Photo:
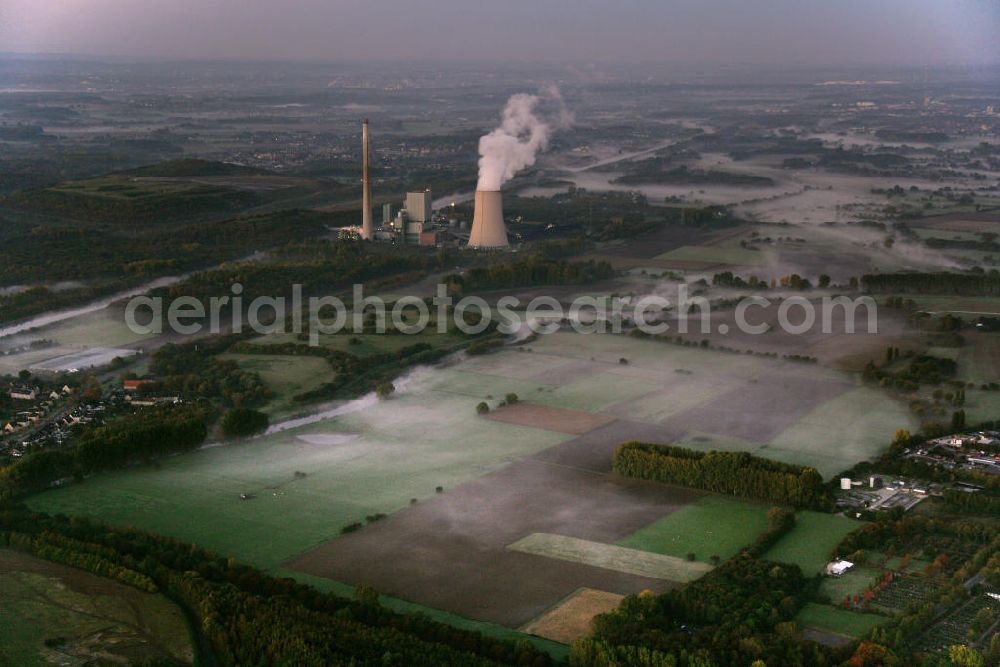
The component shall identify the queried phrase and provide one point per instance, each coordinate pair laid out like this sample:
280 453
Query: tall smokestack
488 229
367 227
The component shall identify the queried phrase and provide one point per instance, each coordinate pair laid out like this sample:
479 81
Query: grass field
378 457
369 461
714 255
839 621
969 306
851 583
842 431
712 526
286 376
611 557
571 618
808 545
54 614
368 344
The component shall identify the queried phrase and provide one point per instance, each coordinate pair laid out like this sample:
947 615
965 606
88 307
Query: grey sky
803 32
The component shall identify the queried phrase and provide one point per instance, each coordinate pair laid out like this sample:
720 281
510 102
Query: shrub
244 422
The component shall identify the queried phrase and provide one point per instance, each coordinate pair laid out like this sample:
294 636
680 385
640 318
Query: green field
364 345
849 428
839 621
711 526
714 255
375 456
611 557
380 455
849 584
54 614
372 460
808 545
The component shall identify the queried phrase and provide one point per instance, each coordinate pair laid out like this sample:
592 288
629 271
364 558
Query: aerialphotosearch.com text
327 315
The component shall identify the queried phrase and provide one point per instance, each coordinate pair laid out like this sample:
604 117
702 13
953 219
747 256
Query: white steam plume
522 134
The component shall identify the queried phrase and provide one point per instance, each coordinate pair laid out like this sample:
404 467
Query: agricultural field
55 614
364 345
349 464
372 458
962 625
571 618
713 255
968 307
611 557
710 526
812 539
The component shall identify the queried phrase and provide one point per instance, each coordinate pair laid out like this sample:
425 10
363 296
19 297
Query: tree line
944 282
732 473
140 437
531 272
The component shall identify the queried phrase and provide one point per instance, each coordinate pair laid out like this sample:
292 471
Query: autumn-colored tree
869 654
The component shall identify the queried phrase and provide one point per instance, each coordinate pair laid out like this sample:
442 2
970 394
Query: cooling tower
488 230
367 227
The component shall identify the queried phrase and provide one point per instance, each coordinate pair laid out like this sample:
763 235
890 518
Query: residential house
22 393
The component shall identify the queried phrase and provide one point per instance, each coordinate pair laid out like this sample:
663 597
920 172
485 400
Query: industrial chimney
488 229
367 227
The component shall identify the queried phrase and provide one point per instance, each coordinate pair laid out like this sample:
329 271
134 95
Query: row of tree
732 473
968 284
531 272
139 437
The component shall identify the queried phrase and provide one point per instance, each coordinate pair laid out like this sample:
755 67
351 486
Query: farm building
838 567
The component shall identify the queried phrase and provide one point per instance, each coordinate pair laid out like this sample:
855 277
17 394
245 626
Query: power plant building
414 219
418 206
488 228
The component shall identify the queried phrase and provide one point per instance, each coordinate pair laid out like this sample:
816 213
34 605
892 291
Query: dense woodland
112 262
732 473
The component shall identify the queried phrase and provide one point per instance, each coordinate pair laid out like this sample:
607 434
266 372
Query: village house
22 393
134 385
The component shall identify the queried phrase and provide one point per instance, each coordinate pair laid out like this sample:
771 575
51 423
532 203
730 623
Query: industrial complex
415 223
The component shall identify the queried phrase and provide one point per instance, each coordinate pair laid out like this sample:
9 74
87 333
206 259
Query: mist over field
659 334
